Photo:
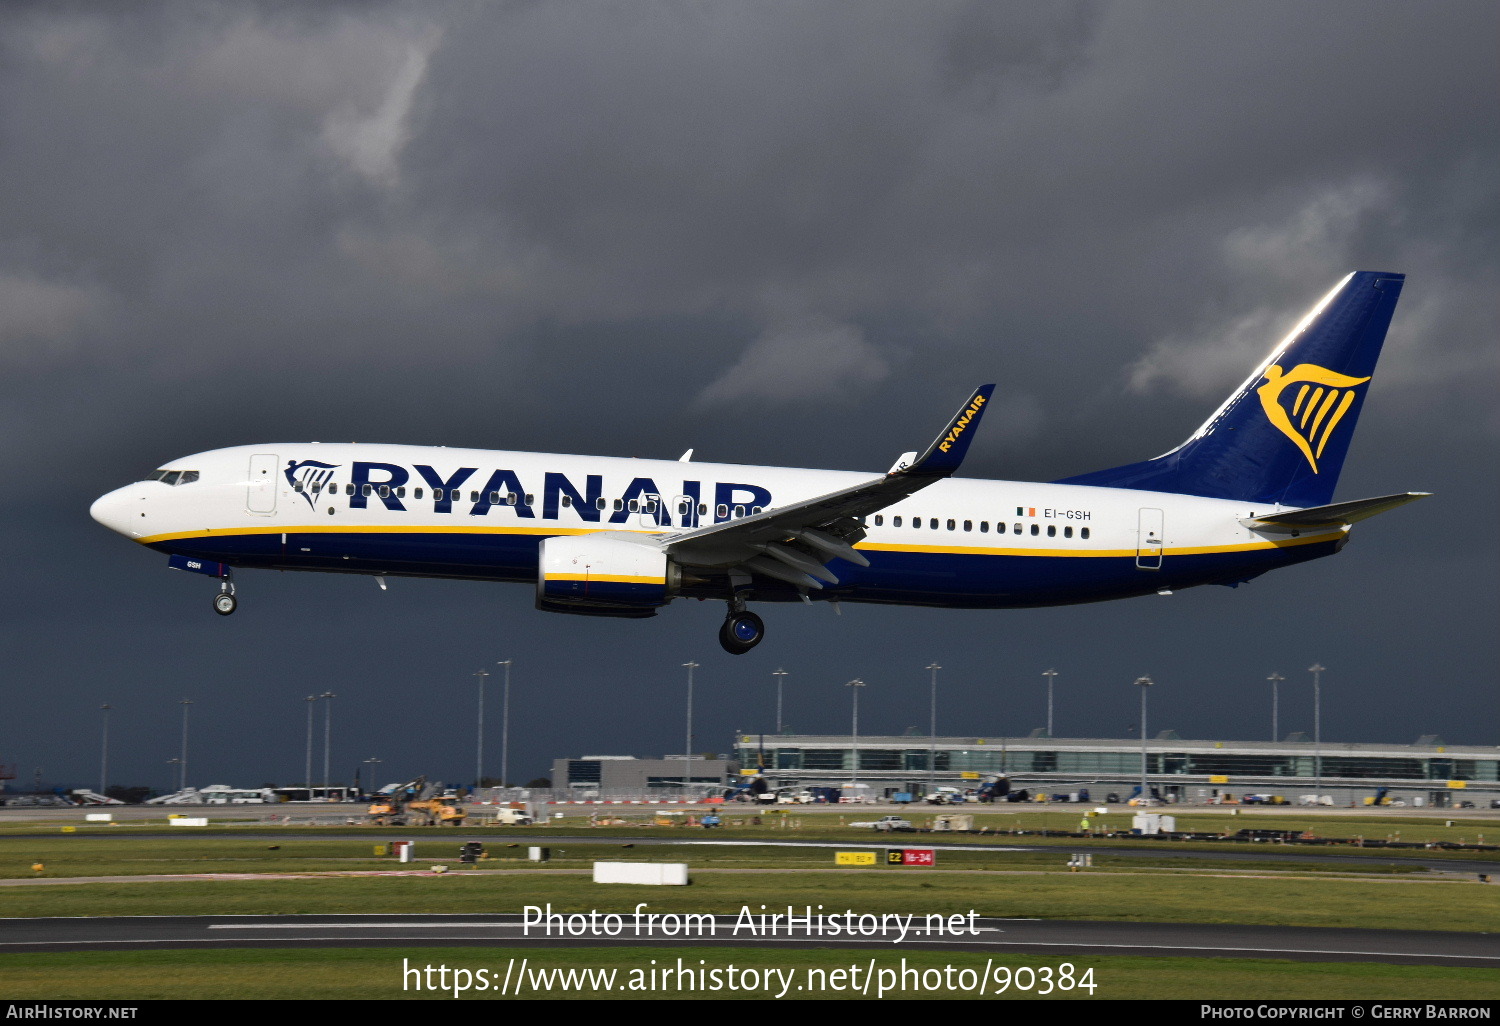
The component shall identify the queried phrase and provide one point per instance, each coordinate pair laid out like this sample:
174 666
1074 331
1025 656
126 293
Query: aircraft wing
792 543
1340 514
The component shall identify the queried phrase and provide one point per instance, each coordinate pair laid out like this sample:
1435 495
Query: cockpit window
173 477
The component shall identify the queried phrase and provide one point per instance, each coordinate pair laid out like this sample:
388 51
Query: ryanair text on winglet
961 423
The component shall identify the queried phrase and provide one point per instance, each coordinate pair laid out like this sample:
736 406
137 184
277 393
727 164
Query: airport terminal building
627 775
1427 772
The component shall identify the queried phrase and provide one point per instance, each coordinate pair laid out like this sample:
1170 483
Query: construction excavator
417 803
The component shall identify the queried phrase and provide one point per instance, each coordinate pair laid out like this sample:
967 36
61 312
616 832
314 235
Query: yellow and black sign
854 858
1218 778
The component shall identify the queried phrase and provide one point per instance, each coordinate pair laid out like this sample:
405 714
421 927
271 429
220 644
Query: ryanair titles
468 490
961 423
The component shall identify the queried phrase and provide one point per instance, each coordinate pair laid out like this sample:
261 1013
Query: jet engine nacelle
605 574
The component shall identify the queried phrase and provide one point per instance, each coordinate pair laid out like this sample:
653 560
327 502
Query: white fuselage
473 513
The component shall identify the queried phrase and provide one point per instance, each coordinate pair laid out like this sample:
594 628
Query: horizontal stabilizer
1340 514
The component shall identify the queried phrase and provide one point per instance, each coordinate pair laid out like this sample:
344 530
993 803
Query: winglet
947 451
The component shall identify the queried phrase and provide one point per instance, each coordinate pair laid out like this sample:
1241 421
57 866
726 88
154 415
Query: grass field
1151 886
379 973
1206 896
72 855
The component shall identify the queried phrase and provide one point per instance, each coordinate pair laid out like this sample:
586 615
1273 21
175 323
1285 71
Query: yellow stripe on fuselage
954 550
596 579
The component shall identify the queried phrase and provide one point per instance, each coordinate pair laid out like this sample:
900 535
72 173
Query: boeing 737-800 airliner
1251 490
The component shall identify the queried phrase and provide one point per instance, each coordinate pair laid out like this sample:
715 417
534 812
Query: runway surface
833 929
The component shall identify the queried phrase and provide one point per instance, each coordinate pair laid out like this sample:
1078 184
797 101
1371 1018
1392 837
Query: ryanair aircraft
1251 490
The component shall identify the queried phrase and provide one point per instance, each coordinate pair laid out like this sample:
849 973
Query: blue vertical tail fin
1282 436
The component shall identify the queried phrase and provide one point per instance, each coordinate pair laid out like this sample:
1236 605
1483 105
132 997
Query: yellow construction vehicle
417 803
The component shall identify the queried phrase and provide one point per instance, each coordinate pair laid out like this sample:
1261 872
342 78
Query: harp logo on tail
1308 413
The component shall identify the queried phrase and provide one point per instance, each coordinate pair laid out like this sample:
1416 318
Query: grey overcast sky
788 234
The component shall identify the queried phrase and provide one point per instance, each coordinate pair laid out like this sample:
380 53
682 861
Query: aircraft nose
115 509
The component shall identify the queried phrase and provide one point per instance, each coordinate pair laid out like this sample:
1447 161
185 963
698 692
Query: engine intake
605 574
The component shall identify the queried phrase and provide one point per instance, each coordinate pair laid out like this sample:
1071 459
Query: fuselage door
651 508
1150 539
684 511
260 496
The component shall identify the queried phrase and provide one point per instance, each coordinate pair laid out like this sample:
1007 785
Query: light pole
780 676
687 758
505 726
312 700
483 676
854 686
1049 674
1275 680
327 737
104 751
933 668
187 704
1144 682
1316 669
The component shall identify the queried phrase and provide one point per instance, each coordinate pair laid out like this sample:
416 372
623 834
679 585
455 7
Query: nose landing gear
225 602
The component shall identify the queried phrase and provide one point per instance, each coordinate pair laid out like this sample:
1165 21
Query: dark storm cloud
778 233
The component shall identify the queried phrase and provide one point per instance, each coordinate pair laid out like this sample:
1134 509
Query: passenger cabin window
1036 529
932 523
703 509
739 511
879 520
473 496
510 498
437 495
1067 532
722 512
600 503
635 506
1017 528
364 490
1083 532
619 504
895 521
417 494
952 525
916 521
984 527
401 492
494 498
968 525
1051 530
567 500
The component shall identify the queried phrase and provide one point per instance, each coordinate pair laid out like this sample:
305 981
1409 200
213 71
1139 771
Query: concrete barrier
641 872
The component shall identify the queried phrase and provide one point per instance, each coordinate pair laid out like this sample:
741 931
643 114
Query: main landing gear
742 629
741 632
225 602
